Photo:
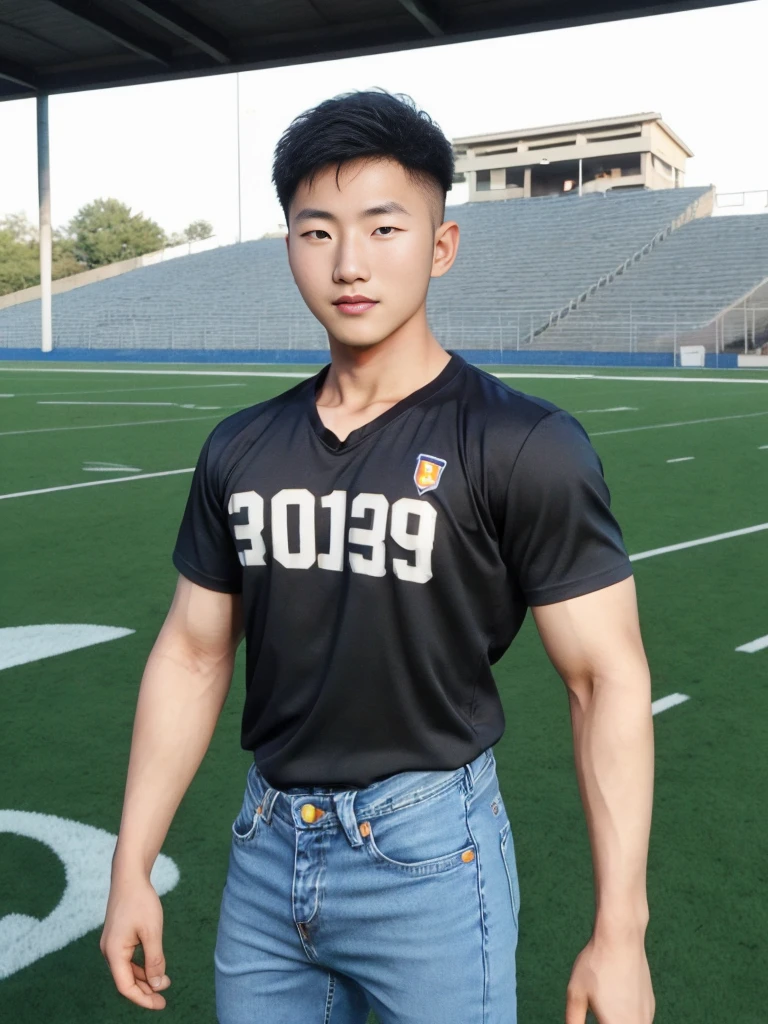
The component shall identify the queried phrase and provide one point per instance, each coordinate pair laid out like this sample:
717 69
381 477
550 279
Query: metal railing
743 329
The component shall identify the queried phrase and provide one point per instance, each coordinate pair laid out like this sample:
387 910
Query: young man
377 533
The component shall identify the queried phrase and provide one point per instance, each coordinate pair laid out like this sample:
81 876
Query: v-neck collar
330 440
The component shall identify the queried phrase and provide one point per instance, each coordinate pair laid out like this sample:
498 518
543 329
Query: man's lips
354 303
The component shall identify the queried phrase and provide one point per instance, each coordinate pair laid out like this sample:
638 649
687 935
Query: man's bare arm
183 689
594 643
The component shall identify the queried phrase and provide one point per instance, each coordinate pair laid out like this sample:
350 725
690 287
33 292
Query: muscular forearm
180 699
614 751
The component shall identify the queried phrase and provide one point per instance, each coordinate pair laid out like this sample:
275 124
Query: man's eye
314 230
386 228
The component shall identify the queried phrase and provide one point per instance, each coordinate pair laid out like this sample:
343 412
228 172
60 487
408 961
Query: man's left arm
595 645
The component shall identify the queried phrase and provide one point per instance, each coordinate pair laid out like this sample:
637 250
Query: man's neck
379 376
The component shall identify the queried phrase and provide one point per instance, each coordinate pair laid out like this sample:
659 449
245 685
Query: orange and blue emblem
429 469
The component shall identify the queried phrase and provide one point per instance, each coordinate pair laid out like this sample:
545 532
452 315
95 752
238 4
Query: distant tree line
104 231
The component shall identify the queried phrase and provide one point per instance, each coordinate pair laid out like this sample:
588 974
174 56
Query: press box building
634 151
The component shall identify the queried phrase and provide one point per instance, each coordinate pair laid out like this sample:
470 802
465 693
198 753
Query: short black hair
362 123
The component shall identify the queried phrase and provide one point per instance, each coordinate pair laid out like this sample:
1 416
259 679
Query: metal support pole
46 242
630 327
580 174
239 195
746 327
674 361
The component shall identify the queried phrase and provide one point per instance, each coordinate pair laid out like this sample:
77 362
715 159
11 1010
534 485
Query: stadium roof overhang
56 46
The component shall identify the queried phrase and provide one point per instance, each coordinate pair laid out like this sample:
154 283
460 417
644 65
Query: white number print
373 507
305 556
251 529
373 564
421 542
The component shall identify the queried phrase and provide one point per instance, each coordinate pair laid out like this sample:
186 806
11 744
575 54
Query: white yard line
695 543
178 405
610 376
684 458
668 702
104 426
156 373
115 391
754 645
96 483
615 408
106 403
679 423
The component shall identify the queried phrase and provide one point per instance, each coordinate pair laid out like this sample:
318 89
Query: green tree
198 230
193 232
64 257
105 231
19 262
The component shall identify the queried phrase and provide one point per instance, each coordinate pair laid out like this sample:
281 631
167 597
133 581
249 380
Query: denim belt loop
343 803
268 802
469 779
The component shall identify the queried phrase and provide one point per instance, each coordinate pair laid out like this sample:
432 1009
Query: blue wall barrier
486 357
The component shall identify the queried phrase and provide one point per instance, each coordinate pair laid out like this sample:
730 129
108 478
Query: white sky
170 150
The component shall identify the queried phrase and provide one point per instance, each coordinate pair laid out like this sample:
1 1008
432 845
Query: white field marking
695 543
104 426
611 376
680 423
668 702
115 391
754 645
684 458
97 483
108 403
763 446
103 462
86 854
111 469
615 408
178 405
19 645
7 396
166 373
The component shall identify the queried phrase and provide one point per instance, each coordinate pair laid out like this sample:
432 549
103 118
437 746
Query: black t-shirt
382 576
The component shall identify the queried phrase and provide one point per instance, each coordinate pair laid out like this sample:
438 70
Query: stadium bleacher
699 271
520 263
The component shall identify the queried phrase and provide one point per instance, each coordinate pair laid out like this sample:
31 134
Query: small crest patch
429 469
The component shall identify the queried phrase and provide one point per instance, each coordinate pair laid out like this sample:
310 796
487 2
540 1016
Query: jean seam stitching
481 904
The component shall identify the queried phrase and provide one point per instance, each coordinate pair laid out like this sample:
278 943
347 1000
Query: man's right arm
183 689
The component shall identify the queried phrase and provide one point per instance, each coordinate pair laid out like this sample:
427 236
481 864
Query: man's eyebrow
389 207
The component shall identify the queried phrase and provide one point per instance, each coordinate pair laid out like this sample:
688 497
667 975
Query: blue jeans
402 896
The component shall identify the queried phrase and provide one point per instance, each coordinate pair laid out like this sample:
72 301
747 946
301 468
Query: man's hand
135 915
612 979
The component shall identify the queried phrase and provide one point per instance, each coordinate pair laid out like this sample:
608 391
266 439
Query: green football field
685 454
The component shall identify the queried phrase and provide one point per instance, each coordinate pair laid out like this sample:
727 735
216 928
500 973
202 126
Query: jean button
310 813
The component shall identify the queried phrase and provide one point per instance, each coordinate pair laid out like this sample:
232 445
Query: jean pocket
510 866
245 827
424 838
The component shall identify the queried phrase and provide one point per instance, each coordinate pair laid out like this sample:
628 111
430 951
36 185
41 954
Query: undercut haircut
364 124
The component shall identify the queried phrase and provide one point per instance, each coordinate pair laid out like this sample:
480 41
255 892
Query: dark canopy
53 46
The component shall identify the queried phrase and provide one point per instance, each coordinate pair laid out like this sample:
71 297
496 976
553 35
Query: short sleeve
558 534
205 551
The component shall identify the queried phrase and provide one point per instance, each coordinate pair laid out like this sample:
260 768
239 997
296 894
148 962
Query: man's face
338 247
